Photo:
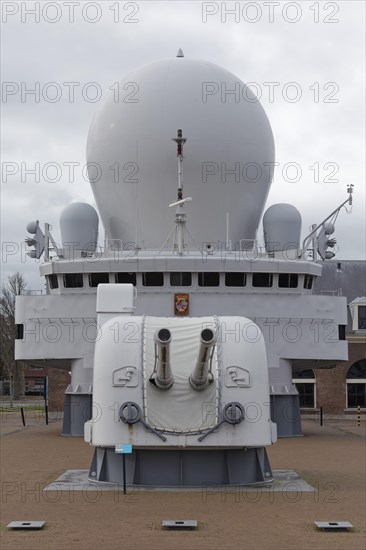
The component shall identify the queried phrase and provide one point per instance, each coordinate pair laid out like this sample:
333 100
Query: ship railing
31 292
112 246
337 292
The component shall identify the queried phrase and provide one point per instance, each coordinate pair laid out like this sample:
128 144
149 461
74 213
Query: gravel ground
331 458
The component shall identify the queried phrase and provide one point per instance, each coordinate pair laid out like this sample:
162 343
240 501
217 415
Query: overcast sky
312 51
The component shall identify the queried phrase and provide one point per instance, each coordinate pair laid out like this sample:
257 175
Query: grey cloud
304 132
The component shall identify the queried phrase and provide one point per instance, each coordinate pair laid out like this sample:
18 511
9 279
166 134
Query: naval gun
162 376
188 397
201 377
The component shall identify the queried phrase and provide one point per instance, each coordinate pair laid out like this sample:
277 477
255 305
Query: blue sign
124 448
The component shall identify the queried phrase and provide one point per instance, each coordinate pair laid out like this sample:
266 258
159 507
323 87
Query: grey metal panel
220 260
285 411
153 467
81 480
182 468
350 277
77 411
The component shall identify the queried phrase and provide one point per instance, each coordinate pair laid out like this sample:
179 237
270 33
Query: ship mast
180 141
179 228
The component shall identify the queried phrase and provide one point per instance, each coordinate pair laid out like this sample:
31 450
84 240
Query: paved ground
331 458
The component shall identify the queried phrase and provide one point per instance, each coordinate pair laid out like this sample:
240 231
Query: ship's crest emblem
181 304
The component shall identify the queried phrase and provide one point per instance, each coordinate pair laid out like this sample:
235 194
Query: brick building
340 389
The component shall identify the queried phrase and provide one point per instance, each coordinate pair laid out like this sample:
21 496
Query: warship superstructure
188 249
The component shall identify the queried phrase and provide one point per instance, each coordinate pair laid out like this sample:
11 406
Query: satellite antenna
179 228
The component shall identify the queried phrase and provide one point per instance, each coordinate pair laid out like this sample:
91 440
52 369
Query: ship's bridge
226 271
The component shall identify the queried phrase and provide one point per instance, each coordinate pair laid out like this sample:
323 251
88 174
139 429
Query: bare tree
10 368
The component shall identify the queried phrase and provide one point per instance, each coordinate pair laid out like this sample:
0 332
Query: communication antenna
180 141
41 241
179 228
321 240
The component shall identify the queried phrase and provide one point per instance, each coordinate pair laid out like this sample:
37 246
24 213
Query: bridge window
153 278
235 279
53 280
264 280
356 385
126 278
287 280
182 278
96 279
208 279
73 280
308 281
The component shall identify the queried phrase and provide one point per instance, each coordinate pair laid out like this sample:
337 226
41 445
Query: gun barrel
162 376
201 376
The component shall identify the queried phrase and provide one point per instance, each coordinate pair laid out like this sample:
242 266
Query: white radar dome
79 226
228 156
282 227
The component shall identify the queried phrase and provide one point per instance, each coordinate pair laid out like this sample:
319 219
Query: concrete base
77 411
285 411
182 468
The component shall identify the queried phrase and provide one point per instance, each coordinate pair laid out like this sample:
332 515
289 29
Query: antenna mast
180 141
324 233
180 216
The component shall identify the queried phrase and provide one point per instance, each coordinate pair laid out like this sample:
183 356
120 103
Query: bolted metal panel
179 523
331 525
26 524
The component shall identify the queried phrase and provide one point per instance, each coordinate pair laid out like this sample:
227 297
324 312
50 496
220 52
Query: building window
308 282
96 279
264 280
208 279
34 386
182 278
361 317
153 278
53 281
73 280
235 279
126 278
356 385
305 384
287 280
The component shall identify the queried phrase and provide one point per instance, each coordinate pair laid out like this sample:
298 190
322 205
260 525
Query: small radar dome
79 226
282 228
